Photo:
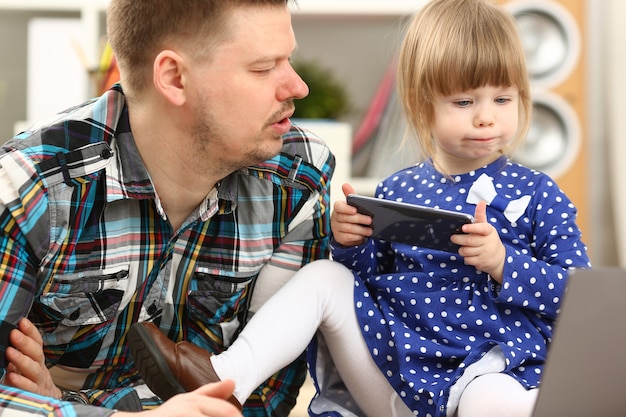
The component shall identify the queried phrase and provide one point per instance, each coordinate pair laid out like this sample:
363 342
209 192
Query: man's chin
271 153
268 152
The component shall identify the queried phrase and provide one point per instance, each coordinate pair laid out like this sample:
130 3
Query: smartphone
411 224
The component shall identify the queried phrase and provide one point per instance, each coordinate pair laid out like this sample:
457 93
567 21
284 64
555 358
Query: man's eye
263 70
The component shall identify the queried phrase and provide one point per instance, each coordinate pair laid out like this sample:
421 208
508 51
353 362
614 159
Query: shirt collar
127 176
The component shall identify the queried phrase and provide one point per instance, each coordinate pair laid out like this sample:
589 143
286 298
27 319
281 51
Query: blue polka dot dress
427 317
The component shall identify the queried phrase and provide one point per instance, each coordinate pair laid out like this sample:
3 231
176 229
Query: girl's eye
463 103
502 100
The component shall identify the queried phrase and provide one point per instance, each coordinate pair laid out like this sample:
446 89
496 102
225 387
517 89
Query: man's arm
35 391
206 401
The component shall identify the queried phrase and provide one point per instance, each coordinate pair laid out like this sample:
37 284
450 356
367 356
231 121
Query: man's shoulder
90 122
75 142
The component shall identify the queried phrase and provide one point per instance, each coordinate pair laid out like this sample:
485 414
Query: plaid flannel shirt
87 250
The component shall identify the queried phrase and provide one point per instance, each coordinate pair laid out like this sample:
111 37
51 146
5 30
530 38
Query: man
182 197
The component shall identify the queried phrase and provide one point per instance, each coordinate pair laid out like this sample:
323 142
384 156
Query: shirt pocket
86 297
217 297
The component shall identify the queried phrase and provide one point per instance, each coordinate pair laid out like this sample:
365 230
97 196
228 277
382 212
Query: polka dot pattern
426 316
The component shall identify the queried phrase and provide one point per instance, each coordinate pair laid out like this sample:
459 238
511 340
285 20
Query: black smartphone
411 224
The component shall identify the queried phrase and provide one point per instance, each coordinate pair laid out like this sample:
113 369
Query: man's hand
27 366
482 247
207 401
349 227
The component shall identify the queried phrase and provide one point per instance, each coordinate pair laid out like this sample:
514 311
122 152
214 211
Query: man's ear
168 76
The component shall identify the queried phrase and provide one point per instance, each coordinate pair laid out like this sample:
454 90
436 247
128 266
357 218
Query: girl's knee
497 395
325 271
329 282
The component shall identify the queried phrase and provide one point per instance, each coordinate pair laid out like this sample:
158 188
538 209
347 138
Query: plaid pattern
87 250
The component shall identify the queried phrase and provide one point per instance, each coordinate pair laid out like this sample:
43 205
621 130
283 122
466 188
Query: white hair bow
483 189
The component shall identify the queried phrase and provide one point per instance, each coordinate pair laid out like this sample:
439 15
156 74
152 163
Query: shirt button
105 154
75 314
152 309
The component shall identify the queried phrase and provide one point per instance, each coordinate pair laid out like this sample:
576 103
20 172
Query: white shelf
90 15
56 5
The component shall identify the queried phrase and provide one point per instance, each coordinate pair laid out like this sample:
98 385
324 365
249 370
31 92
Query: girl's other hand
349 227
481 247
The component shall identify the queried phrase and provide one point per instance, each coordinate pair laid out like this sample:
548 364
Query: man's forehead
266 31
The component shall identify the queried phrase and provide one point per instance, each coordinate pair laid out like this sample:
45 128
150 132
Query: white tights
496 395
318 297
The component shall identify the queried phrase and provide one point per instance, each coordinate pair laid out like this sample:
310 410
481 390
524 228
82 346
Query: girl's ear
168 76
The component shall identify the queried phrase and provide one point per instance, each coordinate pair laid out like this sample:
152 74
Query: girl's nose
484 117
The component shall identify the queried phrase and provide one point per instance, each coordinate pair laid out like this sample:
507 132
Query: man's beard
206 139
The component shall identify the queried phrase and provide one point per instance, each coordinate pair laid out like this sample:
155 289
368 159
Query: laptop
585 371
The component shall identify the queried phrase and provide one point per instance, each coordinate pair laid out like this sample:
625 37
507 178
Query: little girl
405 330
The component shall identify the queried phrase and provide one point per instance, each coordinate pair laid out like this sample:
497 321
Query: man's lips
287 115
282 125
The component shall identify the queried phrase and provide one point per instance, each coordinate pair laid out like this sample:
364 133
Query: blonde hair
452 46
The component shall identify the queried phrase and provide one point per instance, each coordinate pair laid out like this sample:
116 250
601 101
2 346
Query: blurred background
53 55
